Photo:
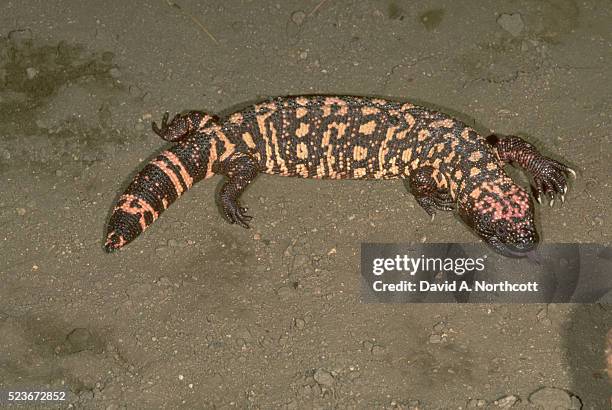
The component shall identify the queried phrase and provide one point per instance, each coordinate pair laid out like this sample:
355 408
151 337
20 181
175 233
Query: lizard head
501 213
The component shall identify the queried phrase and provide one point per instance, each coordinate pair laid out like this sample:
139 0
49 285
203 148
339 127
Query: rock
476 403
576 403
79 339
114 72
354 375
439 327
285 292
300 324
298 17
512 23
323 377
164 282
524 46
507 401
551 398
20 37
31 73
378 350
435 339
542 313
414 405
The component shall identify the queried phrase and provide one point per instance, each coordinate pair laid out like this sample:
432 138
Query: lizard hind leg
183 125
427 192
240 171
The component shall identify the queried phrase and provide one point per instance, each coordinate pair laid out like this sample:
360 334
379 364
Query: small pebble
524 46
438 327
300 324
512 23
298 17
285 292
323 377
31 73
542 314
476 403
21 211
354 375
435 339
378 350
414 405
507 401
164 281
114 72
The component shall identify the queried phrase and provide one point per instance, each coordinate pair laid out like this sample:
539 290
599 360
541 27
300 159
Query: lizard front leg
427 193
549 176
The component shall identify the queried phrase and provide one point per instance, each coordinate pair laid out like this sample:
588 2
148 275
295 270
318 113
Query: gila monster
446 164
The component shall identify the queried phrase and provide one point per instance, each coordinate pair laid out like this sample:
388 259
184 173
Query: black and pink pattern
448 165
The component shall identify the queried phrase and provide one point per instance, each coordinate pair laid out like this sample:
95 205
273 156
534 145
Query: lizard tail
161 182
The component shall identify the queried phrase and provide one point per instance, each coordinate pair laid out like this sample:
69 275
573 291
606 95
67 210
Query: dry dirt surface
198 313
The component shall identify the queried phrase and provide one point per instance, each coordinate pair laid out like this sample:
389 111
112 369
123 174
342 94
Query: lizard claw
236 214
550 180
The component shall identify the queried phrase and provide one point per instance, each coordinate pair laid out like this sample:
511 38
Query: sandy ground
198 313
